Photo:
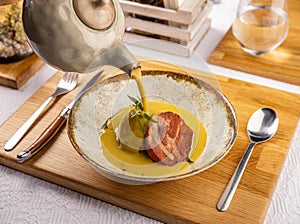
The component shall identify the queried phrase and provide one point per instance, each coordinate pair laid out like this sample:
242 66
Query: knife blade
54 127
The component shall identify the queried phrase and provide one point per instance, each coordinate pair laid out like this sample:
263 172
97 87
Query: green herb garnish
105 125
138 112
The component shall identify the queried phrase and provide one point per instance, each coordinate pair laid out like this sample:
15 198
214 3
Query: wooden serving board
16 74
189 200
281 64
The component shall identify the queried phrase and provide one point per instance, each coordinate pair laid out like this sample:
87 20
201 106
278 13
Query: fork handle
43 139
13 141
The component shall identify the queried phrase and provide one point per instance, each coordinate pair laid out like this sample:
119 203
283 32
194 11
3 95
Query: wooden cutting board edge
16 74
222 57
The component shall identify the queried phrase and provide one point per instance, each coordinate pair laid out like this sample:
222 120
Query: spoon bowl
262 126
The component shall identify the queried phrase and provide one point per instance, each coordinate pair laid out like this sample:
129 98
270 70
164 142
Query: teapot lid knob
96 14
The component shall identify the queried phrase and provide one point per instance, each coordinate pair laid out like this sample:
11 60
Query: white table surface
26 199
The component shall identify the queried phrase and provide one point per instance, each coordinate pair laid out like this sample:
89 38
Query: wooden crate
177 29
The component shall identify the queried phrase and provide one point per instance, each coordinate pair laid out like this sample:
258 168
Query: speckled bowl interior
109 96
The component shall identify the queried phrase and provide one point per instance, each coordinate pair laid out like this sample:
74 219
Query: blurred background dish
13 44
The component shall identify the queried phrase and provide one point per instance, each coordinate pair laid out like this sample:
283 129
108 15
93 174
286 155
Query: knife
53 128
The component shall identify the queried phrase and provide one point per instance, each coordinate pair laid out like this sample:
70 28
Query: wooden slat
178 32
150 11
168 46
190 200
186 14
192 7
173 4
202 17
157 28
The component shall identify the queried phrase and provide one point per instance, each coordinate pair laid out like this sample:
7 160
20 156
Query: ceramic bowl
104 99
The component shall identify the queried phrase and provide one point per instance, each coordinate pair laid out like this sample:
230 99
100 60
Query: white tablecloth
25 199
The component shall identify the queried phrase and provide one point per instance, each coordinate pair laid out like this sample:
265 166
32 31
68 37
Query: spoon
261 127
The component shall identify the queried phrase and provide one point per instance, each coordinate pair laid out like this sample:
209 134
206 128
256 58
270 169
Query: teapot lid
96 14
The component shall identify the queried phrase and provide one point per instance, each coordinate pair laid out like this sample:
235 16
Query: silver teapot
77 35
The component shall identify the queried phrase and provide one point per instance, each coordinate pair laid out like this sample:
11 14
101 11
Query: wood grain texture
281 64
16 74
6 2
190 200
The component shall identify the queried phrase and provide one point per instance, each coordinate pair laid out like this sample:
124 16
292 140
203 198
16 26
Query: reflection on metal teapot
77 35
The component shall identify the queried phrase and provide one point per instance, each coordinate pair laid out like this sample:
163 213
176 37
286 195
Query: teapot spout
120 57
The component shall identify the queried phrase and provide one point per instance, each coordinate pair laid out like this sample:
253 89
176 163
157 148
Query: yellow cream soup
139 163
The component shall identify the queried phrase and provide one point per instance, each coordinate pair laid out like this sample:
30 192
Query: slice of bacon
168 141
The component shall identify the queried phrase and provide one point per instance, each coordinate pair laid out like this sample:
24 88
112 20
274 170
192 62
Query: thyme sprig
105 125
138 112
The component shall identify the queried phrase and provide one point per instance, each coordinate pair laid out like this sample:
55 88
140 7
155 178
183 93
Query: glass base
254 52
260 52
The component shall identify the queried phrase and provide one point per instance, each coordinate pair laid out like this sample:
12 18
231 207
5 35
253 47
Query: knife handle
43 139
14 140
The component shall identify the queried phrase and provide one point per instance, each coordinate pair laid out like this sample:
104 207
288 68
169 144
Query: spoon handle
229 191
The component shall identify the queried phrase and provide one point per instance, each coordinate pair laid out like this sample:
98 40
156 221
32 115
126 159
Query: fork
67 83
